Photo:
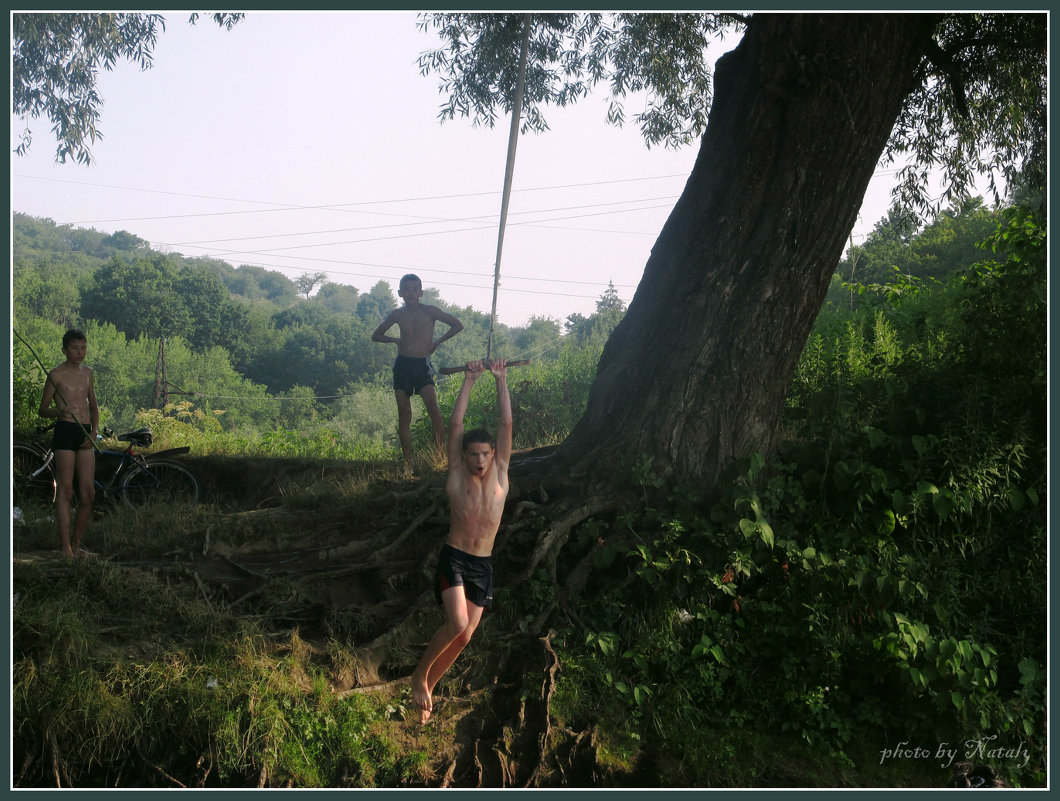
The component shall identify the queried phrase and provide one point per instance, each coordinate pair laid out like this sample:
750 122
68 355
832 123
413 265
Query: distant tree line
237 336
307 336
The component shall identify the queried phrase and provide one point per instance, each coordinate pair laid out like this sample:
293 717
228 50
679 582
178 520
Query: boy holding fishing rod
71 387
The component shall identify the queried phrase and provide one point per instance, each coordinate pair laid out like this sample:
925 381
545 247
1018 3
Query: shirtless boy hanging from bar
71 387
412 368
477 487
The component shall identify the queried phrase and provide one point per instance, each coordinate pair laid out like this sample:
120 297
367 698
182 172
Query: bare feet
421 697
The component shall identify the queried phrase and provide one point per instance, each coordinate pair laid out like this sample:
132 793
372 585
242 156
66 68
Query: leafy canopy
978 104
569 54
55 63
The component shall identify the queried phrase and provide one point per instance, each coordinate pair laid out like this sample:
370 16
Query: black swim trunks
457 568
67 436
411 374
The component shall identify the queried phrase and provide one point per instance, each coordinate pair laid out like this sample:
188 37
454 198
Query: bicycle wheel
33 480
160 482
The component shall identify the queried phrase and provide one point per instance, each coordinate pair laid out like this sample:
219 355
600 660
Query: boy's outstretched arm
499 368
456 421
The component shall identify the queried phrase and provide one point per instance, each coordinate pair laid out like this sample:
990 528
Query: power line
465 286
229 251
329 206
420 221
301 207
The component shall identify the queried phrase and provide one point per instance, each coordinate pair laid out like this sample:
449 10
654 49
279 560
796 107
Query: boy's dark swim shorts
411 374
475 573
67 436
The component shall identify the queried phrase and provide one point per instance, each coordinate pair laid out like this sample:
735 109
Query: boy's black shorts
67 436
411 374
457 568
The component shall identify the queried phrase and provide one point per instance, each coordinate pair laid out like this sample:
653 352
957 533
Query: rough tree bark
695 375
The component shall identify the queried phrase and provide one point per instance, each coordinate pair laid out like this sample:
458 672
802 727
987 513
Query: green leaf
943 505
758 461
1016 498
876 437
926 488
748 527
767 533
843 475
898 499
1028 671
756 507
958 699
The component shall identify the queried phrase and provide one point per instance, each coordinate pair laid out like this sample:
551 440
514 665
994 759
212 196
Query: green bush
882 579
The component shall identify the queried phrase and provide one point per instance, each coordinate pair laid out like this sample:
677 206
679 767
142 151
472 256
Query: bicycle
133 478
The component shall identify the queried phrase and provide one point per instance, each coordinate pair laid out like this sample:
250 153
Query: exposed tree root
553 539
205 758
447 779
415 524
547 689
31 757
58 763
158 769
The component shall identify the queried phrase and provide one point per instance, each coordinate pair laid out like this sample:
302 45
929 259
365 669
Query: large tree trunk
695 375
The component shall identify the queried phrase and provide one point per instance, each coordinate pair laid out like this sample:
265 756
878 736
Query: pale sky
309 142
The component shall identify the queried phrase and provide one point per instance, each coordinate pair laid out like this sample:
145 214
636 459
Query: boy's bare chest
474 500
73 384
416 321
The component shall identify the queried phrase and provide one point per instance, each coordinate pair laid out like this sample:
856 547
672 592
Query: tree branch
944 63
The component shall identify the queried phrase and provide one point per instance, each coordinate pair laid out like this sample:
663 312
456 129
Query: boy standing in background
71 386
412 368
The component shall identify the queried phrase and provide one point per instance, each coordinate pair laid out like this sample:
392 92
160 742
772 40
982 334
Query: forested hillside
248 352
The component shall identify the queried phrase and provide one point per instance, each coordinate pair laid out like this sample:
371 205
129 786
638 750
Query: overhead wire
222 252
320 207
423 220
410 235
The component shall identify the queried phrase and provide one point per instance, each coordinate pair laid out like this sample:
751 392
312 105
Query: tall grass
122 681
